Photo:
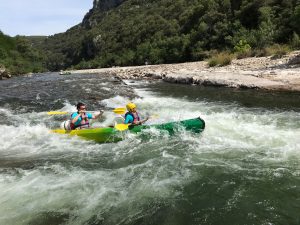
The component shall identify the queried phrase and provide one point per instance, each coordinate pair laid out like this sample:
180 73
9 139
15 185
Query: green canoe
110 134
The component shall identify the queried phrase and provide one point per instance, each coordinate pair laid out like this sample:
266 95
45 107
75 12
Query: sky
41 17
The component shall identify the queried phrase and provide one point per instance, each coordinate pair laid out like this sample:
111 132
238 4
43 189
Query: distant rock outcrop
105 5
101 6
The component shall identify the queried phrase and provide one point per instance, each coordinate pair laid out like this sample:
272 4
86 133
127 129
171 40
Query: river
243 169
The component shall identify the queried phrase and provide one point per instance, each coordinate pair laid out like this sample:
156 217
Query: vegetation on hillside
135 32
18 55
170 31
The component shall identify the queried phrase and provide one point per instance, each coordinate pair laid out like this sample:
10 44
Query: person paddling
80 119
132 117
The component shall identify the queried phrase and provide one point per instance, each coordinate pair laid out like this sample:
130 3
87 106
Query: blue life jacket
81 125
135 117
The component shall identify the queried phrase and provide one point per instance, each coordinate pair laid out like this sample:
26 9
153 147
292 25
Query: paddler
80 119
132 117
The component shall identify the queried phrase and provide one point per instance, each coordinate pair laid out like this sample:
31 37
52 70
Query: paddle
56 113
117 110
154 116
121 126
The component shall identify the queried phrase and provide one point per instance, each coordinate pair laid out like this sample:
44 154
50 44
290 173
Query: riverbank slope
266 73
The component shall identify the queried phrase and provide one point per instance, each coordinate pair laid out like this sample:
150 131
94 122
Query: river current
243 169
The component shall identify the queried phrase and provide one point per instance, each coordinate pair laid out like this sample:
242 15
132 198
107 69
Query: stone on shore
267 73
4 74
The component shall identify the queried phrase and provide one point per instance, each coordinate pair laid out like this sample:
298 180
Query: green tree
133 32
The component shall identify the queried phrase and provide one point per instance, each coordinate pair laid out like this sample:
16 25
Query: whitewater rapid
244 167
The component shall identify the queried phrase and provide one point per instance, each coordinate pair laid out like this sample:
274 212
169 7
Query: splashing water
243 169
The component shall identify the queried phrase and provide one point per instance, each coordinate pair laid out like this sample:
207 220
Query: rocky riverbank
4 74
267 73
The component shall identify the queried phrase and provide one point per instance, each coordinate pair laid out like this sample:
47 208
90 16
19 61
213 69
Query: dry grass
277 51
220 59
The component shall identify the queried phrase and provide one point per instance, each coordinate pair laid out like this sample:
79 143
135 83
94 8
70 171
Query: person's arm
142 121
75 117
128 119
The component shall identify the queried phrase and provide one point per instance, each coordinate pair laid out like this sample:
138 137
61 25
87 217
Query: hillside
18 55
131 32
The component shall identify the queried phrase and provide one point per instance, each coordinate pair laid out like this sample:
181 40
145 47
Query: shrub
277 51
212 62
242 49
221 59
295 42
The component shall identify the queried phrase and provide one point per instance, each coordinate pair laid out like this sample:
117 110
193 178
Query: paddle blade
56 113
121 126
119 110
154 116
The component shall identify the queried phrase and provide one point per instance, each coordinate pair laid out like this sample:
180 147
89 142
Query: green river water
243 169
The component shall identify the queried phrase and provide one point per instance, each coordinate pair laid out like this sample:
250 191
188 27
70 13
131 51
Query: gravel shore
266 73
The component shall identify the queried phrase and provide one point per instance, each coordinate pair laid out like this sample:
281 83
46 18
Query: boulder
295 60
4 74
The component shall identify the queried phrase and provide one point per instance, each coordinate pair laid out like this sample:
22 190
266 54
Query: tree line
19 56
171 31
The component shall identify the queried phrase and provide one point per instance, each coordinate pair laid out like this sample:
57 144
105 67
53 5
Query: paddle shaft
116 110
63 113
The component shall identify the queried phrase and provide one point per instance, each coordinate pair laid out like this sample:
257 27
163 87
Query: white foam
46 172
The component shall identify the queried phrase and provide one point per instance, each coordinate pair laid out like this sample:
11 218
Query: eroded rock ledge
256 73
4 74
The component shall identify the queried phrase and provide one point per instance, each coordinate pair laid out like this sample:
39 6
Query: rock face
104 5
4 74
99 6
295 60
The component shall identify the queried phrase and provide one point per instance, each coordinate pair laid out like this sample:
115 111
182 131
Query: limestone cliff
99 6
104 5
